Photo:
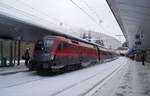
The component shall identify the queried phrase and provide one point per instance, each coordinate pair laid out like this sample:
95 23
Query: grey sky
90 15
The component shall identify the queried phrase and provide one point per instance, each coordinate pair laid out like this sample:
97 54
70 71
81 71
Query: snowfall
120 77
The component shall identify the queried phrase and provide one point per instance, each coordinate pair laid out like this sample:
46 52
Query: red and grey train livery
53 53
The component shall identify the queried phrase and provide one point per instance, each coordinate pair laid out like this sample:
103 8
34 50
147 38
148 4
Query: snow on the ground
74 83
107 88
15 68
121 77
132 80
136 81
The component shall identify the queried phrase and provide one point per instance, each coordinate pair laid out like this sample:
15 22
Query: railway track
30 77
67 84
101 82
71 87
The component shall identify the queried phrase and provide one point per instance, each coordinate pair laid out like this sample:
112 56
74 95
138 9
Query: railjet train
56 53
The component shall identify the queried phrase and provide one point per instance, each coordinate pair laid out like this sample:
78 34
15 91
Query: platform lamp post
100 22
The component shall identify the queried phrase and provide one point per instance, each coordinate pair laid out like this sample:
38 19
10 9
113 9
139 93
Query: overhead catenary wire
42 12
96 22
39 11
84 11
91 9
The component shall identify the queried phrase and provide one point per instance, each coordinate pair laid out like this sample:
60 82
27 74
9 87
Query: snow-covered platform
13 69
132 80
121 77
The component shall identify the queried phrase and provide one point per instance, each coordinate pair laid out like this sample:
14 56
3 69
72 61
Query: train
57 53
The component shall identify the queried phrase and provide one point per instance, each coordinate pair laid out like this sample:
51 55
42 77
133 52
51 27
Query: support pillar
19 52
1 51
15 48
11 53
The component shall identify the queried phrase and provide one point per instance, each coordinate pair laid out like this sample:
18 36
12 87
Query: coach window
66 45
63 45
60 46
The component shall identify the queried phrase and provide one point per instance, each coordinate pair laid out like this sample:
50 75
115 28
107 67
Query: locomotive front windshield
48 45
44 46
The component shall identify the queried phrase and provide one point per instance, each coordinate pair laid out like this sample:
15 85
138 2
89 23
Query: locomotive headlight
51 57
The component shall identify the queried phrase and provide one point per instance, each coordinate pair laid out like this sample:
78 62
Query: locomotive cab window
43 46
48 45
39 45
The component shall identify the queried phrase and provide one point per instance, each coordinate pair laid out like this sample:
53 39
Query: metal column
19 51
15 48
1 51
11 53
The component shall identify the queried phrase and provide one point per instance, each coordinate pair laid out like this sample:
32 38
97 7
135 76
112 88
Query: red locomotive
54 53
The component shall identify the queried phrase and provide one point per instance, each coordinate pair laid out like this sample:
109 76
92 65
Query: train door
98 53
80 51
62 55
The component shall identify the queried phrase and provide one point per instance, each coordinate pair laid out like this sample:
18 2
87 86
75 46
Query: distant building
84 36
100 42
125 44
122 50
